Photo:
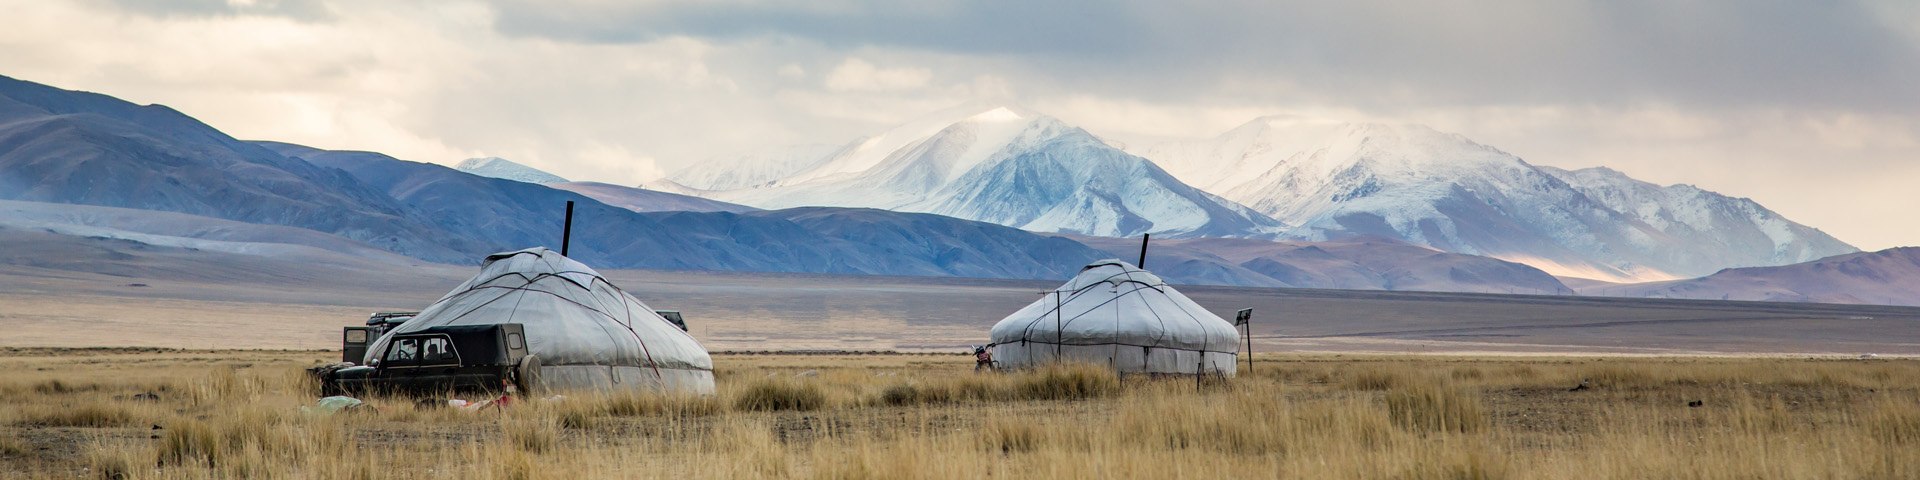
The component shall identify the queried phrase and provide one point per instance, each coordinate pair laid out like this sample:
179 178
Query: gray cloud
294 9
1807 107
990 27
1726 53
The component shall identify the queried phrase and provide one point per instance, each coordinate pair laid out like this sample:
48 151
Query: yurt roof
573 315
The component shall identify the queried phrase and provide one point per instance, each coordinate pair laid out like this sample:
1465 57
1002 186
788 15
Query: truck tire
528 372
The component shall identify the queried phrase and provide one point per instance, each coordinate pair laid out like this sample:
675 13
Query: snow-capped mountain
1012 167
508 214
1730 231
1445 191
497 167
1348 264
754 168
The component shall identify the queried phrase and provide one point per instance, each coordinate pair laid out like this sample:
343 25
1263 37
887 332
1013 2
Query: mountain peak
1008 165
1285 121
1443 190
497 167
999 114
978 124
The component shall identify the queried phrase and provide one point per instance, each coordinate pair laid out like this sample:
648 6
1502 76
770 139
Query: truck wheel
528 372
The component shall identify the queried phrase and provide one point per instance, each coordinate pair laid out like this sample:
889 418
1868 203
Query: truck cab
444 359
354 340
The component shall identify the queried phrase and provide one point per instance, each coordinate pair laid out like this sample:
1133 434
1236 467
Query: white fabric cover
587 332
1116 314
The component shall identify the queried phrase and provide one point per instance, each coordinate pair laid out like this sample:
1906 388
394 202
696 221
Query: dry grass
91 414
1055 382
1433 407
775 394
239 415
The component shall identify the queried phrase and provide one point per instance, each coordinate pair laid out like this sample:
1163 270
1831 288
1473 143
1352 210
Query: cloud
1807 107
1006 27
1711 53
791 71
855 75
291 9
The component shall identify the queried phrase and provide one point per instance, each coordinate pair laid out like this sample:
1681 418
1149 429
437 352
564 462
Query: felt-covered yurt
587 333
1114 313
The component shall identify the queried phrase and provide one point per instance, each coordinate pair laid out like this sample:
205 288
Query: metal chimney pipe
1143 251
566 231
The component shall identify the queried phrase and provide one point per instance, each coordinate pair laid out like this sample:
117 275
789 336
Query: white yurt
1117 314
586 332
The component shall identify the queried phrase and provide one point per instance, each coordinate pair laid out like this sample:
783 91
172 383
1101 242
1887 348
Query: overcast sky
1811 108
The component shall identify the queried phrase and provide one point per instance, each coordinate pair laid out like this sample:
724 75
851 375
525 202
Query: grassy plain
145 413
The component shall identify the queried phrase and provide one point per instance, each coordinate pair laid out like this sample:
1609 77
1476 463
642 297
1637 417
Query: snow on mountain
1734 231
754 168
648 200
1445 191
670 186
1349 264
518 214
1012 167
497 167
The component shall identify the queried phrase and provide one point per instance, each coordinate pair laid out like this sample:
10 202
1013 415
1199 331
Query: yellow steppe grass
239 415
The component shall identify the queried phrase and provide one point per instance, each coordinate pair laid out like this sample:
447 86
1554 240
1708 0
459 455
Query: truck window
405 350
437 350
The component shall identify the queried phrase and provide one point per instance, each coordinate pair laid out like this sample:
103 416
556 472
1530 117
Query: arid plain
301 306
201 378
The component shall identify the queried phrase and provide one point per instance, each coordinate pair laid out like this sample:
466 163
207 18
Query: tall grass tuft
750 449
776 394
116 462
1466 462
1620 376
1068 382
1432 407
532 435
1896 422
1009 436
1375 379
966 388
639 404
56 386
191 442
86 415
